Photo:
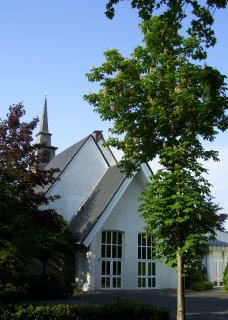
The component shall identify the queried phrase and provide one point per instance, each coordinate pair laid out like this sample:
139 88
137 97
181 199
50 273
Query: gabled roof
62 159
91 210
221 239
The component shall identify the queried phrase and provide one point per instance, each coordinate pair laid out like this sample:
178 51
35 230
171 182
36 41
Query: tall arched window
146 263
111 259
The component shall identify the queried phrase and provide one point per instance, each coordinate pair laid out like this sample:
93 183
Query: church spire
44 120
44 137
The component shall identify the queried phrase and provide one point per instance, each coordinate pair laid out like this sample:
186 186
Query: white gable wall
125 218
78 179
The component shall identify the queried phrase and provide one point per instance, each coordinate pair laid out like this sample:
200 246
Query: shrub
193 274
225 278
119 310
51 286
11 294
201 285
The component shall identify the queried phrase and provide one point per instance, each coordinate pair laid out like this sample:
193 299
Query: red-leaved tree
23 223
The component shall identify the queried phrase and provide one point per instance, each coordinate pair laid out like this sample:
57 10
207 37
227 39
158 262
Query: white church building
101 205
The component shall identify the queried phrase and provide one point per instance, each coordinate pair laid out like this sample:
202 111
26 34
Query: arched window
146 263
111 259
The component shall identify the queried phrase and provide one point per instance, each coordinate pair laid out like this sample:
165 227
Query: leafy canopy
164 104
22 222
175 11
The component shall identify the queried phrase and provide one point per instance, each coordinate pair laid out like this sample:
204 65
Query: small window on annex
146 265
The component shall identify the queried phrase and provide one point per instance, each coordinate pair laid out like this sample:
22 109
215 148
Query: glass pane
114 252
119 252
139 253
103 268
143 252
114 271
119 268
143 240
139 268
118 282
103 282
107 267
148 252
114 238
119 238
107 283
143 282
108 254
103 251
139 283
104 237
153 282
114 282
149 268
109 237
153 269
139 239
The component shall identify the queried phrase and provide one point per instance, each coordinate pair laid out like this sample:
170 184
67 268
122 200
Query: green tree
163 104
175 11
53 238
20 215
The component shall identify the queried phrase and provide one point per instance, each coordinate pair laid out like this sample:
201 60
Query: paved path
206 305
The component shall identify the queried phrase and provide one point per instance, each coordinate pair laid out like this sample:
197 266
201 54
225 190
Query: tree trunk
180 289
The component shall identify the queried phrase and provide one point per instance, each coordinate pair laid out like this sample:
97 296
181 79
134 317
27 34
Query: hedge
119 310
201 285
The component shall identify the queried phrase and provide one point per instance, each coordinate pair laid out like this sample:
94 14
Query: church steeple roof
44 120
44 137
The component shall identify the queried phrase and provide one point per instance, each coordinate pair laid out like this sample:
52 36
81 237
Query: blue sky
51 44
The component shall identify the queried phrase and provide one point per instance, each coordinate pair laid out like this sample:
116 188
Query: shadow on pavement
206 305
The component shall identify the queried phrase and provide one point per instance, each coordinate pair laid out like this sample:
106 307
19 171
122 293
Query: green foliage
120 310
25 229
161 104
12 293
50 286
193 275
225 278
201 285
176 11
164 104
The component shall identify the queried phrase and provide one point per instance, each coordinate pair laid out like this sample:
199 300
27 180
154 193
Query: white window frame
147 267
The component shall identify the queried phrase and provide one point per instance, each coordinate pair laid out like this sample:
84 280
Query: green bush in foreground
119 310
201 285
47 287
225 278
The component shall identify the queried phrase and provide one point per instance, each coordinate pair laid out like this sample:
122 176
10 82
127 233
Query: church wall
125 218
78 180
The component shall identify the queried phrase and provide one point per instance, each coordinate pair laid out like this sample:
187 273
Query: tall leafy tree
175 11
21 220
163 104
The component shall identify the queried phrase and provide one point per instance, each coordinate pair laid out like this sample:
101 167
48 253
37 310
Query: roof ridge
73 145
